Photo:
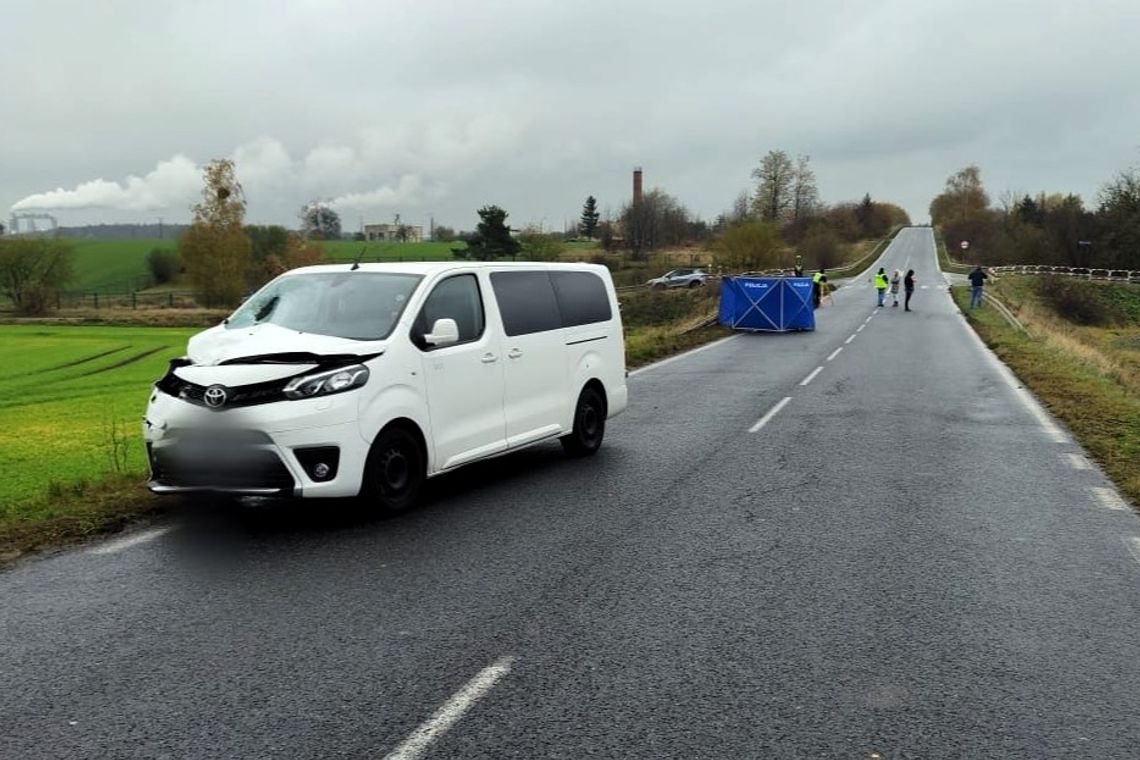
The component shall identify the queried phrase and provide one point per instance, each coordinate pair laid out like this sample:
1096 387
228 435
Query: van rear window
526 301
582 298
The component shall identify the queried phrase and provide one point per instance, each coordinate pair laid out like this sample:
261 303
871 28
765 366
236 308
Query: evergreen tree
492 238
590 217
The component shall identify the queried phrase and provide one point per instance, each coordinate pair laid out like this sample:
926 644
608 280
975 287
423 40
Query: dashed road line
451 712
114 547
1076 461
811 377
849 340
770 414
835 353
859 329
1110 499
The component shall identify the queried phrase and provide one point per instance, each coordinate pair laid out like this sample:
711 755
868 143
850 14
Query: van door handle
514 353
489 359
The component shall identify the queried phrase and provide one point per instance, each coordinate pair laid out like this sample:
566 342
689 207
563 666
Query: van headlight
327 383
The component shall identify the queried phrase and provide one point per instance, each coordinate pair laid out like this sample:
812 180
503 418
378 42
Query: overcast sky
109 109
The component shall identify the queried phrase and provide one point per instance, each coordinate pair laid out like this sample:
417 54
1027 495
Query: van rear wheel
394 472
589 425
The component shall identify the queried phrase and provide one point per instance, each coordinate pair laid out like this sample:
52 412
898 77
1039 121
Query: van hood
271 344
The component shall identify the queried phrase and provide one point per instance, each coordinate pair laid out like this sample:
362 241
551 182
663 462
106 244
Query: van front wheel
589 425
395 471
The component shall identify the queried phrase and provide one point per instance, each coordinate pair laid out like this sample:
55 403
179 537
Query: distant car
680 278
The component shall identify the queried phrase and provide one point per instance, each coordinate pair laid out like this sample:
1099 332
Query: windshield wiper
303 357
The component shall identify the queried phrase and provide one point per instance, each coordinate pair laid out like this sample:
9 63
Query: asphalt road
907 559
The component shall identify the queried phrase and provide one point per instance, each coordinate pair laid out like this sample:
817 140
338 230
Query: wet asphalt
902 562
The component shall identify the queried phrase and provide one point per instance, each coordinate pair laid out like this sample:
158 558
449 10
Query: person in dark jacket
977 282
908 286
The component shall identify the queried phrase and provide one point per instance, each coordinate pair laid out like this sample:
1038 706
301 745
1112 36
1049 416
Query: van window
526 301
455 298
582 298
354 305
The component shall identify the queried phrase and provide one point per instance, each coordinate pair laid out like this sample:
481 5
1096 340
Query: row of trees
781 213
783 217
1044 228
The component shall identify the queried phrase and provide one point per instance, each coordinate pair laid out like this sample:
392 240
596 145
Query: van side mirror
443 333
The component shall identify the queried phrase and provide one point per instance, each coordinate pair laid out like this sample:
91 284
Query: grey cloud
433 107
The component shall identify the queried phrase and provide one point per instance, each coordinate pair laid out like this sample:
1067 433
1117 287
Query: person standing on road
895 279
881 285
908 286
818 280
977 282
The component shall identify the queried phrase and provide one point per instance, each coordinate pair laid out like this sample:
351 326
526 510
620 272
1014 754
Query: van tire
394 473
589 425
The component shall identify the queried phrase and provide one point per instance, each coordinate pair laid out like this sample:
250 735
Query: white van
339 380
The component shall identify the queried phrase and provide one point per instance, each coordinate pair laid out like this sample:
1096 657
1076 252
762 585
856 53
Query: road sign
965 244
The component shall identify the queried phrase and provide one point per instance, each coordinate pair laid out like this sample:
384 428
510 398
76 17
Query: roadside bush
539 246
750 246
820 247
1077 301
660 307
163 264
33 271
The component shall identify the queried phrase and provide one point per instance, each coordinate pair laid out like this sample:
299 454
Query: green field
113 265
61 388
119 266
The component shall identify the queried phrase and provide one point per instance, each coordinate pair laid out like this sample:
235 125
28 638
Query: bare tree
805 194
774 181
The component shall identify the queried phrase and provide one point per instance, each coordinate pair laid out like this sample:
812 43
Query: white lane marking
1110 499
811 377
771 413
451 711
1077 462
859 329
849 340
678 357
1133 544
835 353
113 547
923 287
1027 399
867 321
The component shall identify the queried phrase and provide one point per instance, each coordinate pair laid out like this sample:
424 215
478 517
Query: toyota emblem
216 396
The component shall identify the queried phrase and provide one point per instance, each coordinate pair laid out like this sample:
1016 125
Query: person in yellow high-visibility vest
881 283
818 282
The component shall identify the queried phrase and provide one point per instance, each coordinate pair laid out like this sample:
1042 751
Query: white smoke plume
170 184
390 167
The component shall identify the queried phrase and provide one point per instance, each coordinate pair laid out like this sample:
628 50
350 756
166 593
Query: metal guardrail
1087 273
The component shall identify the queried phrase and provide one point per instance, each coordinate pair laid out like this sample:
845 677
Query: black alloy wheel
589 425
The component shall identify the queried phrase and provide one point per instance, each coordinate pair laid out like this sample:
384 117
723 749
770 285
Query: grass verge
944 260
1076 373
68 513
